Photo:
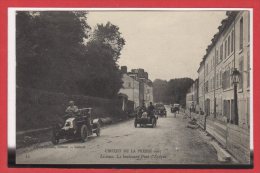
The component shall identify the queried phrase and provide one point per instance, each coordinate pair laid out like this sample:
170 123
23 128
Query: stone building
229 49
137 86
192 96
130 88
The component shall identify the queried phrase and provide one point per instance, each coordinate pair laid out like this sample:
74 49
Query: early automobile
160 110
175 108
143 118
77 126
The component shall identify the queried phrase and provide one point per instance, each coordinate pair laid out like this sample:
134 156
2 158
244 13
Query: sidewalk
223 154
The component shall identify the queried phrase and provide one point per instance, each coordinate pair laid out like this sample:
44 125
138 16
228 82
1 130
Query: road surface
171 142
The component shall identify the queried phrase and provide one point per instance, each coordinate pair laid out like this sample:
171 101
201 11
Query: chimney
145 75
124 69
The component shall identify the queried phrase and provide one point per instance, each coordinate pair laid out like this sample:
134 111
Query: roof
225 23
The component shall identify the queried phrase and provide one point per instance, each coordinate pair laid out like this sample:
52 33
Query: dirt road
171 142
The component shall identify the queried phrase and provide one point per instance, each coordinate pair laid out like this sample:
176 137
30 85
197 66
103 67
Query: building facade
230 49
137 86
192 96
131 89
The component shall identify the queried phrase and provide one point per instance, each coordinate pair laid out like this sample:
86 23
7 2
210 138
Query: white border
251 82
12 57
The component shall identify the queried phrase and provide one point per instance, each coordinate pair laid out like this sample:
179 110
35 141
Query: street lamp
235 79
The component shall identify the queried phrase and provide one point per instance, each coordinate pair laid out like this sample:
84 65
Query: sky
166 44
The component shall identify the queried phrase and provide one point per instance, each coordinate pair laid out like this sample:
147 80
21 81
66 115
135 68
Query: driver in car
72 109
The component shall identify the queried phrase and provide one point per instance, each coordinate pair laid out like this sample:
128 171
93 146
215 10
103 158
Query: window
216 56
213 62
230 73
228 45
211 84
241 69
232 41
225 50
220 79
214 82
206 86
217 80
241 34
248 27
226 79
221 52
248 69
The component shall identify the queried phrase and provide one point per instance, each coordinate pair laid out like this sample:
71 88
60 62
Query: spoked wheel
98 131
54 137
84 133
153 123
54 140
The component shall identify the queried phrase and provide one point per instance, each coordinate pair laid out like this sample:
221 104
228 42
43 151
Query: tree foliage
52 53
172 91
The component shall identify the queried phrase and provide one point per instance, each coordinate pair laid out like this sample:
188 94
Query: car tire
135 124
54 140
153 122
84 133
98 130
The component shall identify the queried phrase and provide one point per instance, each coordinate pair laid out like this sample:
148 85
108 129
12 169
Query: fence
232 137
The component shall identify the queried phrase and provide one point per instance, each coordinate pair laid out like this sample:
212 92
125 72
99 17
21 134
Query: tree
103 51
110 37
173 91
159 88
53 55
50 49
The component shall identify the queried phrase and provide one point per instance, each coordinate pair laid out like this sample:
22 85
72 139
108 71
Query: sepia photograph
130 88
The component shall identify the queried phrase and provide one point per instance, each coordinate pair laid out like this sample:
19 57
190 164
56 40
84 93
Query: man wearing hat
72 109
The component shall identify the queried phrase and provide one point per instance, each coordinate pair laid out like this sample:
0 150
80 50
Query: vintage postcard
130 88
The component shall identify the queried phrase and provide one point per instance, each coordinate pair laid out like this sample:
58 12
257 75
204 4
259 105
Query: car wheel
54 140
98 131
135 124
54 137
153 123
84 133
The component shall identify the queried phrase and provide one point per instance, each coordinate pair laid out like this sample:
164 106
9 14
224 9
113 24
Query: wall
238 141
131 89
235 137
39 109
148 94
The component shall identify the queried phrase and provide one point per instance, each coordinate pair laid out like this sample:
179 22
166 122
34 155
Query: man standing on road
150 109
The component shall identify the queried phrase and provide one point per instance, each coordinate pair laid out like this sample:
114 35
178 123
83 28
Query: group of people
73 109
149 109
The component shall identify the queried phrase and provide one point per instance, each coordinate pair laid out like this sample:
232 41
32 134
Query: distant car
160 110
143 118
175 108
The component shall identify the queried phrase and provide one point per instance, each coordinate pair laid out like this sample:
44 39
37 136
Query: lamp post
235 79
